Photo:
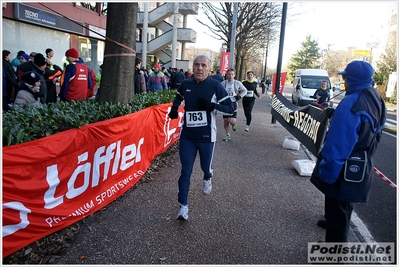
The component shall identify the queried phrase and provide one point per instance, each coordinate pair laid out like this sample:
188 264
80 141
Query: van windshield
314 82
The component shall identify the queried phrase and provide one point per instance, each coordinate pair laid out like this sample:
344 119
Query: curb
390 129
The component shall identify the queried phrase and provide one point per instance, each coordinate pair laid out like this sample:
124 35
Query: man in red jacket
77 81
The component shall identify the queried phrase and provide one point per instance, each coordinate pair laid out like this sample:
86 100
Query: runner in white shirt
236 90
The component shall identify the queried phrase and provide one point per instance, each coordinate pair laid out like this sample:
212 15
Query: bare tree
117 83
257 23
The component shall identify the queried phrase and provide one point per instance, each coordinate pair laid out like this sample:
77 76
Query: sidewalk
260 211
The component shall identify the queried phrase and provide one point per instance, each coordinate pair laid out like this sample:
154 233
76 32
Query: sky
340 24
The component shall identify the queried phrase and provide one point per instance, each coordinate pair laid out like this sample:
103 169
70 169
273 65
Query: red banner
53 182
283 76
224 62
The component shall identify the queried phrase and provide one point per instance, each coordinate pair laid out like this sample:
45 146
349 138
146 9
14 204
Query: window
92 52
89 5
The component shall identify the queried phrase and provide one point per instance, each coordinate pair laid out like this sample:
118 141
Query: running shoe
207 186
234 127
247 128
183 213
226 138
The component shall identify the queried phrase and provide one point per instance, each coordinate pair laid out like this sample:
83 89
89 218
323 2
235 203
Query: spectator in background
156 80
139 79
146 75
29 91
218 76
268 83
52 75
17 60
263 86
93 78
49 55
6 105
32 56
76 81
322 95
23 58
11 78
172 78
179 78
38 65
167 76
188 74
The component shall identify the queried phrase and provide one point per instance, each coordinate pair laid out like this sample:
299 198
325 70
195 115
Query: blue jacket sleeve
70 71
341 139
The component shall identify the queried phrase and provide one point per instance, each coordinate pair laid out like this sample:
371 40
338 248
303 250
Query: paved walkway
260 211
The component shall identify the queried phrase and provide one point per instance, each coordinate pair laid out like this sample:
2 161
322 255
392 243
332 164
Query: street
379 214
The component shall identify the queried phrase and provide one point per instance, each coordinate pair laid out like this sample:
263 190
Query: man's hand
238 97
206 104
173 114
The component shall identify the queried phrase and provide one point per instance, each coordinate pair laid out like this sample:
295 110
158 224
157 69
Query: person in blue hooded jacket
202 96
344 168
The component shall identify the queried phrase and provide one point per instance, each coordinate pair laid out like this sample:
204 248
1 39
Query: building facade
34 27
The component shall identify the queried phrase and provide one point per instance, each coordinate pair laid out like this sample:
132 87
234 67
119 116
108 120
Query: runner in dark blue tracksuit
202 95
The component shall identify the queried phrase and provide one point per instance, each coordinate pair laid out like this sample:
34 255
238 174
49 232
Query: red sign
224 62
283 76
53 182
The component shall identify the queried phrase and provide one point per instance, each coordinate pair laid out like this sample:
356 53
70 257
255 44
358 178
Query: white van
306 82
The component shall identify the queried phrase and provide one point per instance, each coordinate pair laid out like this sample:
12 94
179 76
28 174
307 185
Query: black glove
173 113
205 104
329 112
238 97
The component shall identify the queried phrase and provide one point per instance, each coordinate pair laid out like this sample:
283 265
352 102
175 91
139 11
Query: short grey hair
231 69
204 56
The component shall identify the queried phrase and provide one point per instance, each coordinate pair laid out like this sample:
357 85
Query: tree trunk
117 81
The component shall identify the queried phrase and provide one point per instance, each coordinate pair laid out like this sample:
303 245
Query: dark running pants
188 153
248 104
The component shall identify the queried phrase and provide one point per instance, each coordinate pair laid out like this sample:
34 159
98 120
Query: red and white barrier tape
381 175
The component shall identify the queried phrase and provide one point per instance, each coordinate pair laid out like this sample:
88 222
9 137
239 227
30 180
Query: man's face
230 76
324 85
156 69
201 69
50 54
250 76
70 59
22 59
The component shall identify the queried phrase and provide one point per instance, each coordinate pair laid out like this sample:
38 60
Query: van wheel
292 100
